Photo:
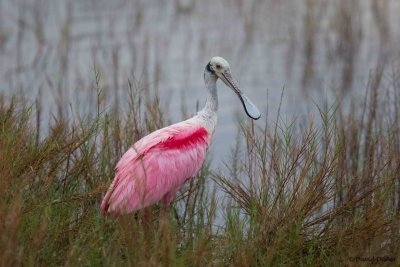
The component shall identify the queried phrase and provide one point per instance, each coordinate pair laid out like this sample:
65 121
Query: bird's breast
208 120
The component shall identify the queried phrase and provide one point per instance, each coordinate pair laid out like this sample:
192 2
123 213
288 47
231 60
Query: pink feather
155 167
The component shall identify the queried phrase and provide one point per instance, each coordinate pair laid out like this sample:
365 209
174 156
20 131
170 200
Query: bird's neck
208 115
211 105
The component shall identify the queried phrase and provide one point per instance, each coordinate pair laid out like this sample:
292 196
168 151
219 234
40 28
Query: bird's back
156 165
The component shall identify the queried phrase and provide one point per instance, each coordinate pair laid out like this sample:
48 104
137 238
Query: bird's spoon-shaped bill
251 109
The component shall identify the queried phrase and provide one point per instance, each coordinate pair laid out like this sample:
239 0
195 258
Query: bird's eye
218 66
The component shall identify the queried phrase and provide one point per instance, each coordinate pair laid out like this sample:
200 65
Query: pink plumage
155 167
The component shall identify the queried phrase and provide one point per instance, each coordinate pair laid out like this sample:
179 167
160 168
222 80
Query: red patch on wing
185 139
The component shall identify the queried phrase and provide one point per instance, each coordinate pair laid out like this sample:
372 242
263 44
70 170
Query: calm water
315 49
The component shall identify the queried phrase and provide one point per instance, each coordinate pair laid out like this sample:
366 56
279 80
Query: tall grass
319 192
320 196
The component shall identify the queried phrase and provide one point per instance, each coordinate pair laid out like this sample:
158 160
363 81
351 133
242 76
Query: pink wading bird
157 165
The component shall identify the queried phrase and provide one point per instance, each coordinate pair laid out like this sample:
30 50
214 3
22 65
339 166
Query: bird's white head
221 69
218 64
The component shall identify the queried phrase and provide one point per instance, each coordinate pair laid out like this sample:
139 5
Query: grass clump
314 194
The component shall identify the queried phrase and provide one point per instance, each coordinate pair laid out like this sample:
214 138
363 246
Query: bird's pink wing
156 165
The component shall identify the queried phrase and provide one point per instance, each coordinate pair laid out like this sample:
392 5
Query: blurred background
319 51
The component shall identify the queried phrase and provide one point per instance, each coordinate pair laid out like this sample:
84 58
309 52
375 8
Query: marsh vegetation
313 188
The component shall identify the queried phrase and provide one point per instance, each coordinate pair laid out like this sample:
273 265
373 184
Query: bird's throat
211 105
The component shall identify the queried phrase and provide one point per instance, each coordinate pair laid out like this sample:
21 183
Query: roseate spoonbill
157 165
